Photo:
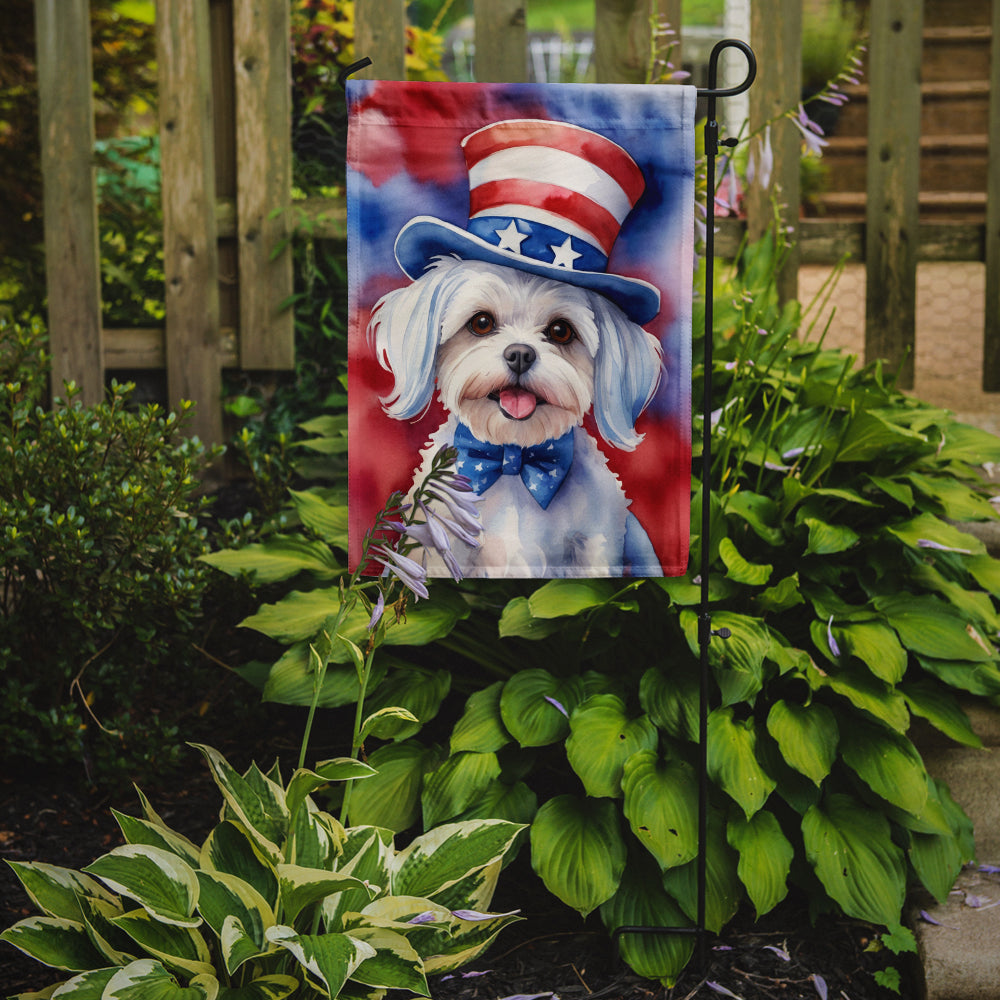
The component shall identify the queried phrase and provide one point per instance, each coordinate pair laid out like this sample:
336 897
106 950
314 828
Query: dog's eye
481 324
560 332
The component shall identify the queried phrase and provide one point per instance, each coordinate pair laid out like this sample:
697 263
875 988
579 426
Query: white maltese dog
522 338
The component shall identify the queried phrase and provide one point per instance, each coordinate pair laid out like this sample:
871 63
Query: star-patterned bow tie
542 467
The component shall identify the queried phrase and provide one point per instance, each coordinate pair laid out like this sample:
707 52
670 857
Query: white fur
421 334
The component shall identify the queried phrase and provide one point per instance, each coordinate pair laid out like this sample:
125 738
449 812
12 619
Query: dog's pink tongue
519 403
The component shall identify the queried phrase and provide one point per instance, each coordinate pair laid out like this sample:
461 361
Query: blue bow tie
542 467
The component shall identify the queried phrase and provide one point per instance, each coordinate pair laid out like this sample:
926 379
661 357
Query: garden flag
520 263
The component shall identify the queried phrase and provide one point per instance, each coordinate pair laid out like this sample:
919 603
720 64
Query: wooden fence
226 161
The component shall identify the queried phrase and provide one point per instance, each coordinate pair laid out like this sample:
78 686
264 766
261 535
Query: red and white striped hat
545 197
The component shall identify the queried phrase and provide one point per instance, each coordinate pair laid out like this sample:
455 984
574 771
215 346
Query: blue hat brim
424 238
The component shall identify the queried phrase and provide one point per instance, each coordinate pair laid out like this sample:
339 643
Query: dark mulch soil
551 951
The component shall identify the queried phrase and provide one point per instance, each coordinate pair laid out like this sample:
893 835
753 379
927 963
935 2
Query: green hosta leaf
147 979
828 539
160 882
418 691
941 709
456 784
783 595
54 941
975 605
758 511
866 692
765 858
301 887
517 620
870 436
438 859
330 959
738 661
684 593
395 964
291 680
98 916
893 488
578 851
976 678
481 728
559 598
661 799
304 782
386 723
850 848
391 798
279 558
641 901
516 803
535 706
226 898
931 628
807 736
888 763
723 889
260 806
957 501
739 569
230 849
180 948
327 520
602 738
141 831
732 760
937 859
965 443
56 891
671 700
986 572
876 646
928 528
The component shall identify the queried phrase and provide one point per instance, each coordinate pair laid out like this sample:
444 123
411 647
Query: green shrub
101 587
279 900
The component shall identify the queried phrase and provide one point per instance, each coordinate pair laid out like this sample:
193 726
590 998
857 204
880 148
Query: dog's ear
405 330
627 370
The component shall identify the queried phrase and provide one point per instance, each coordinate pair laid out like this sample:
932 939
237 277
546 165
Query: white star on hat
510 238
563 256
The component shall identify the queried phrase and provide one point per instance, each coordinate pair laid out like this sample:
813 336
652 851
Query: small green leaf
765 858
391 798
732 760
828 539
888 763
535 706
578 851
327 520
279 558
456 784
739 569
561 598
807 736
671 700
481 727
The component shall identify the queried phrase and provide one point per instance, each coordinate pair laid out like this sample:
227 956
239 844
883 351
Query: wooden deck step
957 206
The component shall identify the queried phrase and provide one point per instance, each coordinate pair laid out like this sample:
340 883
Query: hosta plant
279 900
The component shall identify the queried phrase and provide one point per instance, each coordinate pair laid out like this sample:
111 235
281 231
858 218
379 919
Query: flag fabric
520 265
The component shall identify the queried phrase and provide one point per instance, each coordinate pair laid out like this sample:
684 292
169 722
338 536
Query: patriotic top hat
546 197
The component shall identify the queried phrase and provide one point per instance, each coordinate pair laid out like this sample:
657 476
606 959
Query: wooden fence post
190 251
892 214
380 34
72 255
991 332
501 41
262 62
623 37
776 35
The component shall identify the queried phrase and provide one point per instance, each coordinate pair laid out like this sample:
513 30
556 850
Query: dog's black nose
519 358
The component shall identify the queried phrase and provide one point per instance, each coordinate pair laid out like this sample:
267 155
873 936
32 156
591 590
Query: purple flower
475 915
820 983
811 132
408 571
427 917
834 648
558 705
377 611
719 988
780 952
927 543
761 163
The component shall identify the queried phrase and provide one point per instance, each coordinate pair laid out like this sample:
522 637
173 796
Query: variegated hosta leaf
301 887
578 851
147 979
274 987
86 986
304 782
56 891
642 902
807 736
535 706
888 763
850 847
329 959
177 947
466 941
315 838
141 831
54 941
391 799
158 880
475 891
441 857
481 727
418 691
98 915
661 799
395 964
602 737
732 760
456 784
225 897
367 853
256 801
765 858
723 889
230 849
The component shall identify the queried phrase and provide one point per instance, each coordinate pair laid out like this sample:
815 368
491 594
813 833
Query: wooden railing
226 161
